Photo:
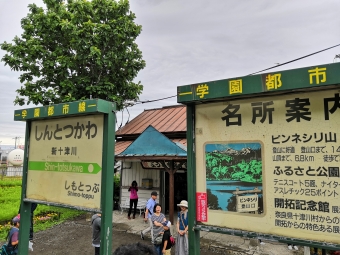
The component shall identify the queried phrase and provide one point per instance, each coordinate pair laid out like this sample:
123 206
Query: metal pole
107 183
25 208
171 191
306 250
194 235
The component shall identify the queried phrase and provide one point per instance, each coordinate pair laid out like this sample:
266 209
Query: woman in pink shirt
133 199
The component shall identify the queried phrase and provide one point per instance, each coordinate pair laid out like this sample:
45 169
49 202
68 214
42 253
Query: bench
140 205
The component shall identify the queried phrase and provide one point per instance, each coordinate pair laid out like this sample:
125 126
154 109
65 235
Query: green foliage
223 167
218 166
116 180
10 202
69 51
116 190
212 201
10 181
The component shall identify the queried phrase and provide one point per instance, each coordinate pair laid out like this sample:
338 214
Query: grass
45 216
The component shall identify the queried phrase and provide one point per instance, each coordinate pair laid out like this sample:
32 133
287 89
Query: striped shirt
160 218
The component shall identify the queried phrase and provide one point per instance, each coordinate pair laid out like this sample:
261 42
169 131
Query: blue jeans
158 249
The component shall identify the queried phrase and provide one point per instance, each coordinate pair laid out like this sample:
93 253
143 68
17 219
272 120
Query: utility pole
335 58
16 138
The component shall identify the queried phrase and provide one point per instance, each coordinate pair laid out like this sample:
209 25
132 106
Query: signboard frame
64 111
268 84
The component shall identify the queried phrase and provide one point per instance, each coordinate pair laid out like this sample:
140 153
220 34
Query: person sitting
13 236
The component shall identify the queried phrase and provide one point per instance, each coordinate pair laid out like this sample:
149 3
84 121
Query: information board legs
306 250
25 207
194 235
107 185
25 221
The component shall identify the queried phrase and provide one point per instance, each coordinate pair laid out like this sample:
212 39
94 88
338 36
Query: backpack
172 240
8 249
5 250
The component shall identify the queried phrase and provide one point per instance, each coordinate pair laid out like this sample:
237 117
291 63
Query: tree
72 50
212 201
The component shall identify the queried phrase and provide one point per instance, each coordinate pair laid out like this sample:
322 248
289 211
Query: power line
294 60
150 101
277 65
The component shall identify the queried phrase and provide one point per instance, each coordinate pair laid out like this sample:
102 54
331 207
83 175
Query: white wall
137 173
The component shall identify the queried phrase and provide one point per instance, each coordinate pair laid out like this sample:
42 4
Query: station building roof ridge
169 119
153 143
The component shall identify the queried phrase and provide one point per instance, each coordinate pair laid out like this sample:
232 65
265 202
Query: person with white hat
182 244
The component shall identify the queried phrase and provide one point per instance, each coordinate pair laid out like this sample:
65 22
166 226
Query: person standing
33 207
133 199
157 219
166 244
13 236
148 212
290 247
96 224
182 244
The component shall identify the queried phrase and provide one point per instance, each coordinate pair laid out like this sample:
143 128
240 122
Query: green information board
263 150
69 161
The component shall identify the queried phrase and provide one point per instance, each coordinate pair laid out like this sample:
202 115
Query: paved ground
74 237
215 242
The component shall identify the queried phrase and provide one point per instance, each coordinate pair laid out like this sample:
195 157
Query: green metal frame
84 107
281 239
67 110
194 234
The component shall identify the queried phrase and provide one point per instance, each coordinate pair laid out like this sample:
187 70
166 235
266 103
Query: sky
192 41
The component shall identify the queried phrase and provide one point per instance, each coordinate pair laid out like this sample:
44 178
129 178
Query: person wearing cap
182 244
13 235
166 244
148 212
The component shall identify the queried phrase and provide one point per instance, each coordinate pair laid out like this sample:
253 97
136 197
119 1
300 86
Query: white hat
167 223
183 203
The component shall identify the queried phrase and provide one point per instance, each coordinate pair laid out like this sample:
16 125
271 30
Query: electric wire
288 62
295 59
150 101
